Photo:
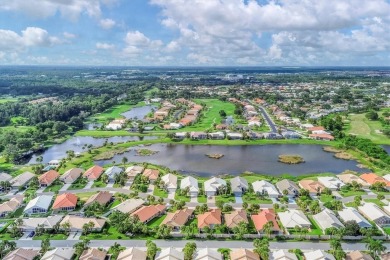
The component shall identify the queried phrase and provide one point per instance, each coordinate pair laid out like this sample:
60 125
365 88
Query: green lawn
202 199
160 193
99 184
102 133
326 198
19 212
84 196
315 230
225 199
182 198
254 199
51 237
115 203
387 230
112 234
157 221
376 201
78 185
365 128
114 112
54 188
7 99
349 193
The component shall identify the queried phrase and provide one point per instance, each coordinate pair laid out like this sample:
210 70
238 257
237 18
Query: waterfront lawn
51 237
157 221
54 188
254 199
225 198
112 113
160 193
102 133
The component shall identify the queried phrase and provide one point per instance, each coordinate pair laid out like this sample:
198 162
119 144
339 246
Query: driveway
110 185
40 190
74 236
150 189
171 195
194 199
66 187
211 199
25 236
238 199
89 185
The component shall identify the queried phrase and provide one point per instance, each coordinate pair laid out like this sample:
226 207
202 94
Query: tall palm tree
267 228
375 247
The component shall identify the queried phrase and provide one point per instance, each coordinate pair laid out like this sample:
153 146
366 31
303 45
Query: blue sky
195 32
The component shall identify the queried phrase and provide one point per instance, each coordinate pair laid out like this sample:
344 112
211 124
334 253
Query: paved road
268 119
312 245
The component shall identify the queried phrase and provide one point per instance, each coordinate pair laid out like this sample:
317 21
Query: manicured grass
115 203
365 128
387 230
225 199
7 99
54 188
112 234
350 204
157 221
6 236
114 112
51 237
84 196
19 212
315 230
102 133
349 193
78 185
202 199
182 198
326 198
376 201
254 199
160 193
99 184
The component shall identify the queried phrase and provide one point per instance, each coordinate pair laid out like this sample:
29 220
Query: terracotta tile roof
65 200
265 216
243 254
311 186
178 218
102 197
233 219
152 174
22 254
212 217
146 213
322 136
48 177
93 254
316 128
94 172
77 222
372 178
357 255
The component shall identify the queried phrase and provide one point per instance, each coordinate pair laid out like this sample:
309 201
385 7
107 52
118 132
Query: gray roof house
375 214
212 185
289 186
38 205
59 254
351 214
30 224
192 184
112 172
327 219
5 176
71 175
239 185
21 180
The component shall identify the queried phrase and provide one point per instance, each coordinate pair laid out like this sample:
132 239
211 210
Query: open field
7 99
114 112
365 128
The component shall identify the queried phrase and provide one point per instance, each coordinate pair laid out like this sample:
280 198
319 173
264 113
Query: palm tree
267 228
124 160
45 246
115 249
189 250
375 246
66 226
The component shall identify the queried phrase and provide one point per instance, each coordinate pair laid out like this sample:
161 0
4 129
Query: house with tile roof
65 202
312 186
292 218
147 213
243 254
289 187
132 253
48 223
113 171
38 205
318 255
235 217
77 222
133 171
129 206
282 254
178 218
327 219
210 219
151 174
93 254
170 253
348 178
22 254
21 180
71 175
102 197
239 186
208 254
331 183
372 178
265 188
262 218
48 178
358 255
93 173
212 185
372 212
170 182
59 254
11 205
192 184
351 214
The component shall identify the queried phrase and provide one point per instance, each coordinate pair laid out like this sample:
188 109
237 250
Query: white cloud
105 46
107 23
69 35
137 43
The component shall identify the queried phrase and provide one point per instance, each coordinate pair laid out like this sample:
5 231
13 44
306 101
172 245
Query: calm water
387 148
138 112
58 151
237 159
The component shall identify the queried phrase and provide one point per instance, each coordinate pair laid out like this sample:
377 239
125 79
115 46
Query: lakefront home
239 186
212 185
192 184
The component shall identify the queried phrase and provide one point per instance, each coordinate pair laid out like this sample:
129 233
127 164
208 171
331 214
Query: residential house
38 205
282 254
217 136
358 255
11 205
70 176
170 253
93 254
351 214
65 202
234 136
170 182
152 174
210 219
132 253
262 218
5 176
54 163
322 137
147 213
372 178
102 197
234 218
243 254
180 135
212 185
116 124
22 254
265 188
93 173
48 178
192 184
291 135
375 214
318 255
76 223
349 178
133 171
331 183
289 186
313 187
239 186
208 254
48 223
198 135
112 172
327 219
59 254
222 127
129 206
178 218
292 218
22 180
272 136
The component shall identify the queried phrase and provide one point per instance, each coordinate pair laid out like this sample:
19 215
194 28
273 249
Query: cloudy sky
195 32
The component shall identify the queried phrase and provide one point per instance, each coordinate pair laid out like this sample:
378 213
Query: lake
138 112
58 151
237 159
387 148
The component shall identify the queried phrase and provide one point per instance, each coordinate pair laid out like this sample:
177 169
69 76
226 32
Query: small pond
138 112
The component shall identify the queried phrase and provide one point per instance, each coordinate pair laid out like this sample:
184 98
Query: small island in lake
145 152
215 155
291 159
